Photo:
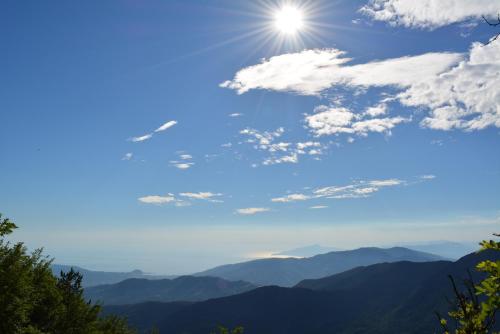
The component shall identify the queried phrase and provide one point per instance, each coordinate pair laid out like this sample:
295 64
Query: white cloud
155 199
172 199
181 165
251 211
428 13
208 196
428 177
280 152
458 91
141 138
338 120
185 161
128 156
317 207
236 114
377 110
291 198
227 145
165 126
356 189
310 72
466 97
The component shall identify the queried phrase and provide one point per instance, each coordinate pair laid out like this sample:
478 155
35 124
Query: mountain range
398 297
93 278
183 288
289 271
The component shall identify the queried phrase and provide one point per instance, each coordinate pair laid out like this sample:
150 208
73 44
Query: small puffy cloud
128 156
290 158
186 156
280 152
428 14
251 211
291 198
156 199
317 207
338 120
166 126
236 114
141 138
377 110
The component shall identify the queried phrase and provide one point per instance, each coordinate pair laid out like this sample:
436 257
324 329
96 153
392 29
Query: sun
289 20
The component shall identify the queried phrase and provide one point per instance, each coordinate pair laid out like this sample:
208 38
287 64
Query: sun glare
289 20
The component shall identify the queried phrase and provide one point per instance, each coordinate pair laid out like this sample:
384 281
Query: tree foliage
475 309
34 301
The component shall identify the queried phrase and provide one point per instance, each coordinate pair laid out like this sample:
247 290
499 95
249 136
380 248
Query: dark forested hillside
396 297
290 271
184 288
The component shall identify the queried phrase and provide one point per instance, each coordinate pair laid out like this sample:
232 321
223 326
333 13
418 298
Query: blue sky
371 125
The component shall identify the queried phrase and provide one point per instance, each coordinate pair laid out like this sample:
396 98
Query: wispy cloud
251 211
428 14
171 198
181 165
317 207
141 138
356 189
207 196
310 72
166 126
236 114
157 199
291 198
128 156
147 136
184 162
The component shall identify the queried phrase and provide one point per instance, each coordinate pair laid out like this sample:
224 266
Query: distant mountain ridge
93 278
448 249
289 271
307 251
183 288
398 297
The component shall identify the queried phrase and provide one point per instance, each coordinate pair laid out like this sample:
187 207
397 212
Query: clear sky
172 136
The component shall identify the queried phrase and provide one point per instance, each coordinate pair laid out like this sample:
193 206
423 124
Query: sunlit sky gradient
172 136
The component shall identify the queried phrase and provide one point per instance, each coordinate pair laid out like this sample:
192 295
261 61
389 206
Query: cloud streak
251 211
148 136
356 189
